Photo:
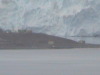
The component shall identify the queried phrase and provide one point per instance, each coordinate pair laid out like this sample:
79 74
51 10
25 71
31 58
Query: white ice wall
54 17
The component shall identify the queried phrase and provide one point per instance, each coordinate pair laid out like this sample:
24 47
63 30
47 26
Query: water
50 62
91 40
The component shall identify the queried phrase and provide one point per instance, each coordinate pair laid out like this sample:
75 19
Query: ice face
61 18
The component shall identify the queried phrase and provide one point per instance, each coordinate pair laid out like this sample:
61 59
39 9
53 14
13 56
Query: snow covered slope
55 17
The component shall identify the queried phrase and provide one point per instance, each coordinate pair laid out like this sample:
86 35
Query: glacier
54 17
50 62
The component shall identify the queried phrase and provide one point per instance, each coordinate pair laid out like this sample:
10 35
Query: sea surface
50 62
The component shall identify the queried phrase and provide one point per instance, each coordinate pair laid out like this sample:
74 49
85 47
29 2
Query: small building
25 31
82 41
51 43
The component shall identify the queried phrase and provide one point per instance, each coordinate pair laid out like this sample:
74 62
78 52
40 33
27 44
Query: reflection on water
91 40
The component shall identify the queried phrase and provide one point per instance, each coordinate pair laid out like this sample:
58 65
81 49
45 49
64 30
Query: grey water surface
50 62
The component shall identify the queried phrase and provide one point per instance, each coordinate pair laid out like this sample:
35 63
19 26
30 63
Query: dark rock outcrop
38 41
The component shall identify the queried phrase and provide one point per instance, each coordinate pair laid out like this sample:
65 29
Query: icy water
50 62
91 40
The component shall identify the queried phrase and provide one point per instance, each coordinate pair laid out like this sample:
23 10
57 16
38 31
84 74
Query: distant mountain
54 17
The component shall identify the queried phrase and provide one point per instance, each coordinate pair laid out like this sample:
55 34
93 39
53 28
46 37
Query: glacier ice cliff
54 17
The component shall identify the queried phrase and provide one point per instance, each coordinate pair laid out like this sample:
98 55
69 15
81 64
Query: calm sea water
50 62
91 40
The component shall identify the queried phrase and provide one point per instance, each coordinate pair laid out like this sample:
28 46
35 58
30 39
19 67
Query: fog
50 62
